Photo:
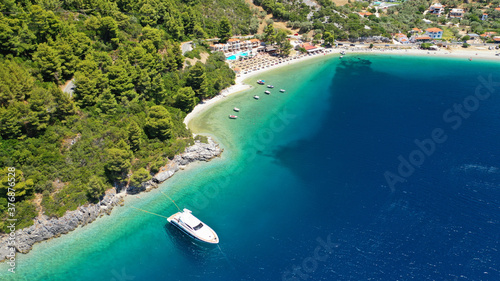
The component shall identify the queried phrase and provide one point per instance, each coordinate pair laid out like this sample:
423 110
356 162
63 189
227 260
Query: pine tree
225 30
95 187
120 80
139 176
118 163
15 82
159 123
269 33
134 135
11 121
196 77
49 62
107 103
185 99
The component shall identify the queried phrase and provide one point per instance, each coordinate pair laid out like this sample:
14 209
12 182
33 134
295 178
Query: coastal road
69 88
186 47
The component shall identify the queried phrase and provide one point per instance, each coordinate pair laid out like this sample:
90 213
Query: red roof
422 38
498 9
233 40
486 34
434 29
308 46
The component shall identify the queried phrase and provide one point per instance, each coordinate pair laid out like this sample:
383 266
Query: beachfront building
484 17
401 38
254 43
434 32
420 39
487 34
219 48
496 39
310 48
416 30
456 13
235 44
436 9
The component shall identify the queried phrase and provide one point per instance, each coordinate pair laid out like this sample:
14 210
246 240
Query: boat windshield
198 226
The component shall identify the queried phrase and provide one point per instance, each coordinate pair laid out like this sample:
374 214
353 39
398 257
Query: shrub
139 176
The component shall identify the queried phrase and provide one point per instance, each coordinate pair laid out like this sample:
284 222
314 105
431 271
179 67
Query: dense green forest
133 87
131 94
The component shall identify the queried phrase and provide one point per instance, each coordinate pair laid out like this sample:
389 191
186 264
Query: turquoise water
300 191
236 56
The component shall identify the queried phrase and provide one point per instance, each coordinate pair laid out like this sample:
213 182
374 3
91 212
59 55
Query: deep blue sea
367 168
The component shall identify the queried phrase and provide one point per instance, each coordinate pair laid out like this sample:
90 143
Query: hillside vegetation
133 87
131 94
345 23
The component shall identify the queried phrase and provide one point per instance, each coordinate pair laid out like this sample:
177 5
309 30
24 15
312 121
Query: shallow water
300 192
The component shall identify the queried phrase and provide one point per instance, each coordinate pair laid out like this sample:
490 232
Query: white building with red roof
436 9
310 48
434 32
456 13
401 38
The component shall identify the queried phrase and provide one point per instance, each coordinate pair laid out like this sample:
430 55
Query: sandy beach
469 54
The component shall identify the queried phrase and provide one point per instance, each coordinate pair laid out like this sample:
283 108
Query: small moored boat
267 92
282 90
270 86
193 227
236 109
233 116
260 82
256 97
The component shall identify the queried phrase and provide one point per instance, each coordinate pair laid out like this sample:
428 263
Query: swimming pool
240 54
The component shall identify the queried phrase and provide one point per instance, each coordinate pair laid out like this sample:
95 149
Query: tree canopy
129 92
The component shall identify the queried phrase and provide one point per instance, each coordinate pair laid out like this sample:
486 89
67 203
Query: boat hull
174 223
173 219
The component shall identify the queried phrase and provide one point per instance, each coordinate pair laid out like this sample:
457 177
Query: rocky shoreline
46 228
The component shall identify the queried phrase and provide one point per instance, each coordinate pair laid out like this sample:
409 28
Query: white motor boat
193 227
